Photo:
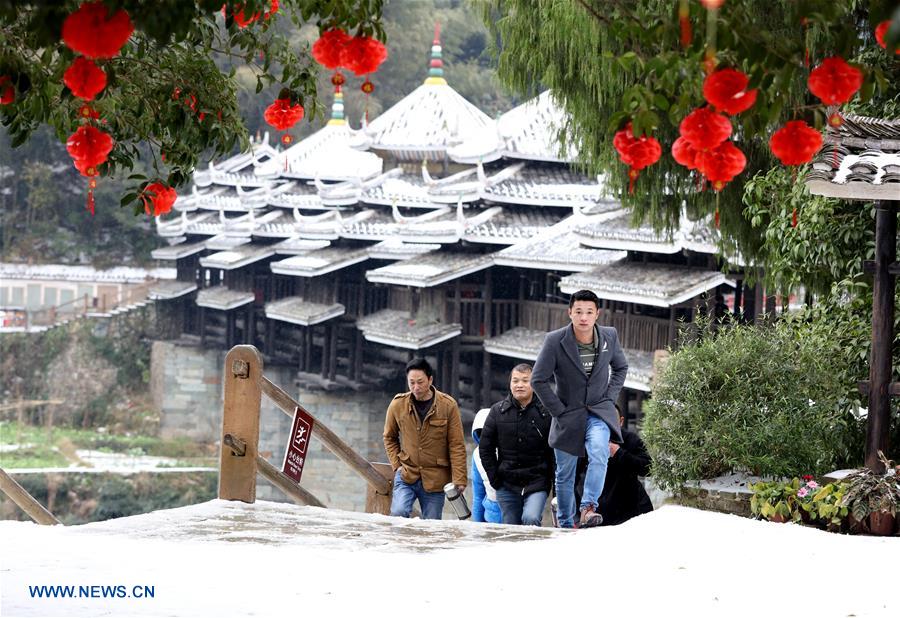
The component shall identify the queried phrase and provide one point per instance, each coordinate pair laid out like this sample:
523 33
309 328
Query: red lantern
158 199
273 8
367 87
834 81
363 55
684 153
712 4
92 32
795 143
85 79
636 152
727 91
328 49
282 115
7 90
881 33
704 129
721 164
89 146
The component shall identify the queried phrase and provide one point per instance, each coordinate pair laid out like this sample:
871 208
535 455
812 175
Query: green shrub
763 400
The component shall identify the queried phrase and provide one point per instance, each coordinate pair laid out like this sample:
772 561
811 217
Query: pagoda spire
337 107
436 66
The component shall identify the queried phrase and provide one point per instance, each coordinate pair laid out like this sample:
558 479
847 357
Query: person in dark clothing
515 454
623 494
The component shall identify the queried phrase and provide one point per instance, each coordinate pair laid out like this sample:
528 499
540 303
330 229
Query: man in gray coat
589 368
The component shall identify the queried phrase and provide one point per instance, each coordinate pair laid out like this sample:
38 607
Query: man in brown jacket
423 437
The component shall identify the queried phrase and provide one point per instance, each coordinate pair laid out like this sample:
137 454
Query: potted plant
776 500
825 508
873 499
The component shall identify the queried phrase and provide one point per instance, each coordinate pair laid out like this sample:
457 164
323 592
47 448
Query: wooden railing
25 500
240 462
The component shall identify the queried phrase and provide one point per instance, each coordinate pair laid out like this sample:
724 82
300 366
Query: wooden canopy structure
861 161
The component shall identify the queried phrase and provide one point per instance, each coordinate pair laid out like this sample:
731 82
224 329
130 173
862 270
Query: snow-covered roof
298 310
659 285
238 169
297 245
618 233
528 131
430 269
66 272
167 290
860 160
237 257
326 154
223 299
226 242
513 225
178 251
320 262
398 329
399 250
547 184
440 225
424 124
556 248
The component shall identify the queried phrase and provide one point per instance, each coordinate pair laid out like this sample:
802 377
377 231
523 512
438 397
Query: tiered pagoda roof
425 123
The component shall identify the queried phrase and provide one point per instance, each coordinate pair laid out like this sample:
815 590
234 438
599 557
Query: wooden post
377 502
486 381
25 500
332 352
243 395
454 369
879 418
488 304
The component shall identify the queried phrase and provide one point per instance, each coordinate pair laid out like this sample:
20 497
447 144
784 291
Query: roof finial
337 107
436 66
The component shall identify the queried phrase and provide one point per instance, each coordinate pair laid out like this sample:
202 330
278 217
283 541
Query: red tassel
685 23
794 217
92 184
632 176
717 217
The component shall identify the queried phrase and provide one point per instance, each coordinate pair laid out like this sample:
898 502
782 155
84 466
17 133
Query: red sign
298 443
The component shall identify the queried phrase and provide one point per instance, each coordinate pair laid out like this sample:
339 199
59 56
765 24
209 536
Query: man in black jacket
515 454
623 494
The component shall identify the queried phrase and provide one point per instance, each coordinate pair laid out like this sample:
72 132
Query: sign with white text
295 453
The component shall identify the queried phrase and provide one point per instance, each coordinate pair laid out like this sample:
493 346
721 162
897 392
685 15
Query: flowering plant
776 500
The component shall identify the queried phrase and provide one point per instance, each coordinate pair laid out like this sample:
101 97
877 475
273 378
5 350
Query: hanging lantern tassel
685 23
717 210
794 217
368 88
92 184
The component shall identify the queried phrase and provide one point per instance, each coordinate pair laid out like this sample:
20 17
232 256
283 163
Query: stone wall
186 385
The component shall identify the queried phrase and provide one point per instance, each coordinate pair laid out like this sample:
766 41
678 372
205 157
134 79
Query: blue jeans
596 442
431 502
518 509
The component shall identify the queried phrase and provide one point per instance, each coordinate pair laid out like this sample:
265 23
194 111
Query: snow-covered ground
270 559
